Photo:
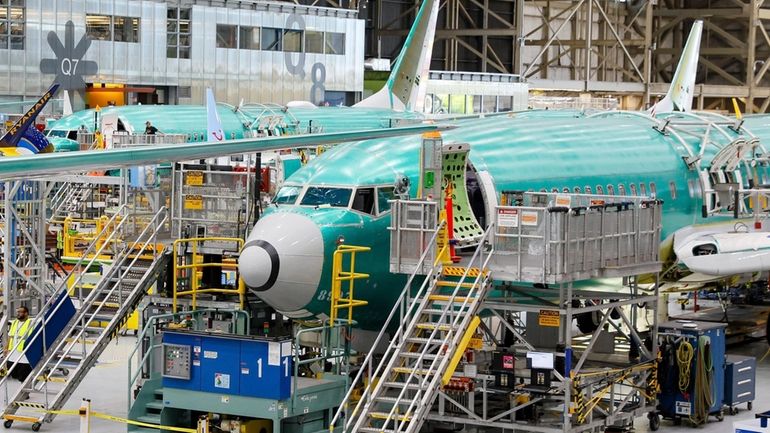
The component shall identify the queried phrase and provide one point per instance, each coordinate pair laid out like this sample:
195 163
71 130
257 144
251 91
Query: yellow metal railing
74 243
443 256
338 300
191 269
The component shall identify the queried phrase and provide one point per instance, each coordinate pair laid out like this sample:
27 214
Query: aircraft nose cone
282 261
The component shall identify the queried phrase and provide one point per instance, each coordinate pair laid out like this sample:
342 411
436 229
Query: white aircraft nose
282 261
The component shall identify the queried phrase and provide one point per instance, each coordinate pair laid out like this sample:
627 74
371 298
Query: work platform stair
148 405
434 326
98 317
69 198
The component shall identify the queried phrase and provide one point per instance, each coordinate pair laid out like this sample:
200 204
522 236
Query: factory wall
178 52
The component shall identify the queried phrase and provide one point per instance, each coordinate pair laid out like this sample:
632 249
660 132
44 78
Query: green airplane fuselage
623 152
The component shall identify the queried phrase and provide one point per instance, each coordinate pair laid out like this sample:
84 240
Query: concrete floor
107 388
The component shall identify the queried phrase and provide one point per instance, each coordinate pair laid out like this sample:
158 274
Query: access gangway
545 238
431 327
138 259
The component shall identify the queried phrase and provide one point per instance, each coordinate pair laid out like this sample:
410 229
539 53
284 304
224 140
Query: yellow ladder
340 301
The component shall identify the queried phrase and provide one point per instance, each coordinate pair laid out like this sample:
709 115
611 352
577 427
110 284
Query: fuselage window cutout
643 188
610 190
543 190
565 190
632 187
364 200
672 187
621 189
555 190
576 190
599 190
588 189
653 190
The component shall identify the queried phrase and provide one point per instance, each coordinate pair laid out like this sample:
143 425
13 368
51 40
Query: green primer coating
531 152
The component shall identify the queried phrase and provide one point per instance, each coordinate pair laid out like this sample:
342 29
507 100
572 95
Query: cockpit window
384 193
57 133
336 197
364 200
287 195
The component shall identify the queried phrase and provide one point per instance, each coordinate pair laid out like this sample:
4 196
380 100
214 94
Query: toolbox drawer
740 379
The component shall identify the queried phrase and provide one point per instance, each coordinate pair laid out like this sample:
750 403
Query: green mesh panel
466 229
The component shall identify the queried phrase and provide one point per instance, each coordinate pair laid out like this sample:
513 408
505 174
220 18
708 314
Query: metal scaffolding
627 48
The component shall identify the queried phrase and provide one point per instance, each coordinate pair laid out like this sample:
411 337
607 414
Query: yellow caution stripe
30 404
142 424
106 417
457 271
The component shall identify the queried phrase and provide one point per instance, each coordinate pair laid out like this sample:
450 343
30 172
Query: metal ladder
421 356
134 270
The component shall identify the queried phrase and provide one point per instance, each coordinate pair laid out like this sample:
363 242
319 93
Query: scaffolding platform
517 293
552 238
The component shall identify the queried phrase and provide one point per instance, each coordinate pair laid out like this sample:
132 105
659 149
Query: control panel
176 361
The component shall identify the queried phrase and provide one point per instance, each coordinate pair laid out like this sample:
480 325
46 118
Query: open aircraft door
108 127
723 181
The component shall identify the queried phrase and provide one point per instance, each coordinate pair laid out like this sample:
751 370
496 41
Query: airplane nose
282 261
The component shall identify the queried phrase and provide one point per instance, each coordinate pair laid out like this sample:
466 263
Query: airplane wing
69 162
690 283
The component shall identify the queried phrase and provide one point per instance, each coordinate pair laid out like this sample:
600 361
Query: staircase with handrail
430 329
98 317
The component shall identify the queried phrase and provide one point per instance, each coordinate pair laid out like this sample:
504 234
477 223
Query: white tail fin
214 130
680 94
66 104
406 87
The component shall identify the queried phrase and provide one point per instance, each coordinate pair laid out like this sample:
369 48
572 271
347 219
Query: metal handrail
45 318
60 342
58 197
194 290
450 332
397 307
69 241
81 317
342 327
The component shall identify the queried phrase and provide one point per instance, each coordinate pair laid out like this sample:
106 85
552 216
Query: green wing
68 162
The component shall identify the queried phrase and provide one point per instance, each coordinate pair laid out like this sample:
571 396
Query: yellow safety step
21 418
458 271
52 379
454 284
447 298
384 415
409 370
107 304
432 326
80 340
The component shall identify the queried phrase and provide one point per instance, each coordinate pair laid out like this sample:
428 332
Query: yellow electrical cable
684 355
704 383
